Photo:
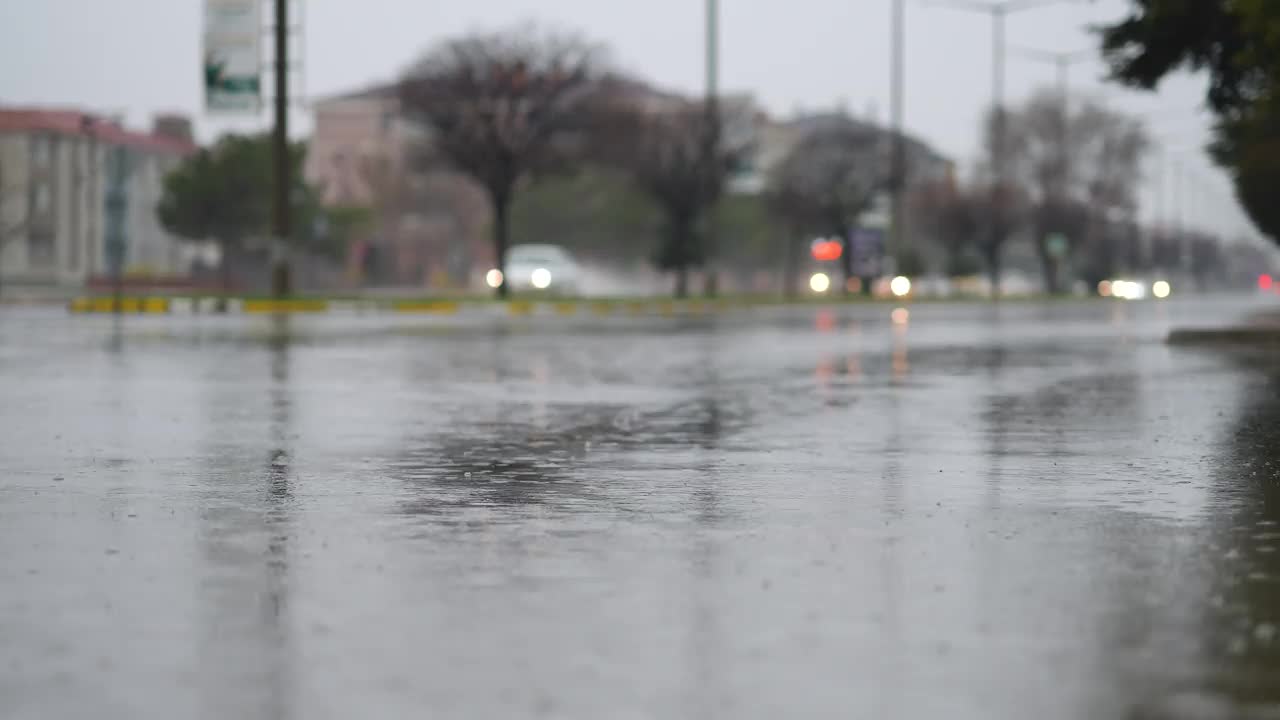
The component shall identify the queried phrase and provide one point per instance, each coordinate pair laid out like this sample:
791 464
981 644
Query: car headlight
540 278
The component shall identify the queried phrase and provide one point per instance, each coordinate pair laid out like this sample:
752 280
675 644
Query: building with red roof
78 190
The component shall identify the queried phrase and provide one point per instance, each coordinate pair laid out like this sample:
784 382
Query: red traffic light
827 250
1265 282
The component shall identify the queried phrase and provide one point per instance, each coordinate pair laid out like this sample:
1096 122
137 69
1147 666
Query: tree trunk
224 267
501 230
710 283
846 260
993 269
224 273
281 273
682 282
1048 265
790 266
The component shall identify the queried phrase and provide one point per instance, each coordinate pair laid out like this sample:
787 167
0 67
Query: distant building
352 131
428 227
60 170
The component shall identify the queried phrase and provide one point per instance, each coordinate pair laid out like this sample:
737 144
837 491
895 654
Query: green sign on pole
233 56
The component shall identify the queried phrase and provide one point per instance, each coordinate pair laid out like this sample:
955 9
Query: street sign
232 56
1057 244
867 251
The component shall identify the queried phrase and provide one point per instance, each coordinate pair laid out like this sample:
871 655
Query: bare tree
953 214
672 150
829 179
1004 202
1082 167
501 106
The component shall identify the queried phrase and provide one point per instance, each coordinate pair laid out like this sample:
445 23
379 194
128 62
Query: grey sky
142 56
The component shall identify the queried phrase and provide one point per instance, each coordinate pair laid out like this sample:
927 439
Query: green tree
596 213
1238 44
673 154
223 194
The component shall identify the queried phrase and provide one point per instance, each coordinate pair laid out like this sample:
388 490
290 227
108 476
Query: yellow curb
259 307
635 307
152 306
155 306
566 308
520 307
667 309
602 308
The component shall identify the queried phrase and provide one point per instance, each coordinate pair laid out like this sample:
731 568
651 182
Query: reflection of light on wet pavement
901 365
825 320
853 367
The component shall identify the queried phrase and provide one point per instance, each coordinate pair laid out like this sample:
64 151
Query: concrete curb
1248 336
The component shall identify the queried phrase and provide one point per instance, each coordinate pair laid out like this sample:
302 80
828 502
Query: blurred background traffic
871 148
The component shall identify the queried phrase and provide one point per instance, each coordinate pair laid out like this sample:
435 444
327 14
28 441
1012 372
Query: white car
540 268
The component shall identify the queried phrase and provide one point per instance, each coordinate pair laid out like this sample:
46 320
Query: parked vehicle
539 268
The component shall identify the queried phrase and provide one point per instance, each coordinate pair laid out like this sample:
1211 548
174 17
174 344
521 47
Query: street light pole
1062 61
999 13
714 128
713 51
280 280
897 103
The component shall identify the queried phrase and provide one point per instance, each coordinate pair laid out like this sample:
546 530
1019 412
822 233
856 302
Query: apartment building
78 196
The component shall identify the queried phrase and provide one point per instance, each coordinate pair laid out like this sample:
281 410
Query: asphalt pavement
936 511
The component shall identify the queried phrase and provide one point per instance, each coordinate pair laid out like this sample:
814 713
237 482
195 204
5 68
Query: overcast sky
142 56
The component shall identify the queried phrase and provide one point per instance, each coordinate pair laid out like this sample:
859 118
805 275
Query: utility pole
999 13
714 129
896 103
713 53
281 284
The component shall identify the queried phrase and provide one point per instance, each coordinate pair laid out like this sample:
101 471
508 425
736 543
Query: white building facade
76 193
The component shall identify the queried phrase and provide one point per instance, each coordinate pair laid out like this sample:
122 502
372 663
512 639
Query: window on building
40 248
41 199
41 151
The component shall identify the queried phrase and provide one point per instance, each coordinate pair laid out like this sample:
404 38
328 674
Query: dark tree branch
502 106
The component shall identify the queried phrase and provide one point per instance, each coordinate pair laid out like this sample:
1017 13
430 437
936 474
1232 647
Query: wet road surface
977 512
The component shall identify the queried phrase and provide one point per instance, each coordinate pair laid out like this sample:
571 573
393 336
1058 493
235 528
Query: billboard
233 56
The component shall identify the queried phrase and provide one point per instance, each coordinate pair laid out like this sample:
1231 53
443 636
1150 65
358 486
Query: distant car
540 268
